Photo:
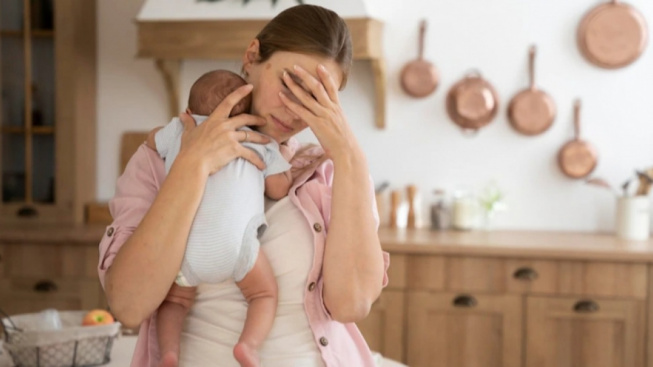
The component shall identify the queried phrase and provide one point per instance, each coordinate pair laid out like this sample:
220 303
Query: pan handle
577 119
422 34
531 65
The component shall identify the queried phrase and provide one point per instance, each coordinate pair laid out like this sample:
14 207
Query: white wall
420 145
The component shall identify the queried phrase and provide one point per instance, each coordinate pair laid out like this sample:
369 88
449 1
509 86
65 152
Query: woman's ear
251 55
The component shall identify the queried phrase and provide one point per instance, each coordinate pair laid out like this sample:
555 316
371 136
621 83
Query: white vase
633 218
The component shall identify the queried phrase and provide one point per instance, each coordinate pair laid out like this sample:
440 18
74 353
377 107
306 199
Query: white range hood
170 31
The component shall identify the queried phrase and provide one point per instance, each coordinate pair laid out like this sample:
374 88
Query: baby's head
211 88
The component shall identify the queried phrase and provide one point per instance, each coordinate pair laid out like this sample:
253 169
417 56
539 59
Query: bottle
465 211
440 212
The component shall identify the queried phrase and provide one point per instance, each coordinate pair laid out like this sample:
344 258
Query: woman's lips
281 125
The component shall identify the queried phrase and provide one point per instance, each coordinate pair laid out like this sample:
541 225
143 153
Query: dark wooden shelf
36 130
36 33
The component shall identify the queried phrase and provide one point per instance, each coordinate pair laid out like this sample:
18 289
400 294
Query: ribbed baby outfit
223 240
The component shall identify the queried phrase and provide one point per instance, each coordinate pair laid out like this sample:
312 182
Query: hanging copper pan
612 35
577 158
531 111
419 78
472 102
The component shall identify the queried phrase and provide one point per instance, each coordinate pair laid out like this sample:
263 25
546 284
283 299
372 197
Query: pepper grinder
411 190
395 203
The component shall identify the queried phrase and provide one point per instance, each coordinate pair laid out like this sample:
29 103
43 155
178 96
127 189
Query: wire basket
72 346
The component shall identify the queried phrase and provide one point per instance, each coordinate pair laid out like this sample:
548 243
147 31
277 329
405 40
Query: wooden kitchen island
491 299
517 298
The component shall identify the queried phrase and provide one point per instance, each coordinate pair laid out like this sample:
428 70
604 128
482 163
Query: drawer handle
586 306
465 301
27 212
525 274
45 286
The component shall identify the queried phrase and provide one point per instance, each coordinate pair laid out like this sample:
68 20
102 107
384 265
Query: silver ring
245 135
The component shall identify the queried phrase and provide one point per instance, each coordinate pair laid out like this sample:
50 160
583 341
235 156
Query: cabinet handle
586 306
45 286
525 274
465 301
27 212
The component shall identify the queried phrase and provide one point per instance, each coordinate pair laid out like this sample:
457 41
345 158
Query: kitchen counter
521 244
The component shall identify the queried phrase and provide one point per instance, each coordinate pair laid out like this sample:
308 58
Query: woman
321 239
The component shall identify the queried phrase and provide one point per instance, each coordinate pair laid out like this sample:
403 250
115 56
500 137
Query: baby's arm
277 185
150 142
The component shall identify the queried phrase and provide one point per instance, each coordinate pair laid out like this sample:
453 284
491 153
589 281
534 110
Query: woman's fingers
243 120
254 137
316 87
304 114
251 156
223 110
188 121
328 83
304 97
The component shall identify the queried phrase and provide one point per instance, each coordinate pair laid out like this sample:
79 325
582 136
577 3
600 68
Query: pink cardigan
340 344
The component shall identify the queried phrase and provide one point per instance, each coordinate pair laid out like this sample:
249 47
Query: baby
223 239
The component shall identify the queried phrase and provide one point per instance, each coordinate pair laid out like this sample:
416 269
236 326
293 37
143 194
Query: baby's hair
212 88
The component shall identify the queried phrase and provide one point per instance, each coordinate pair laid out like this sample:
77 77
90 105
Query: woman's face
266 77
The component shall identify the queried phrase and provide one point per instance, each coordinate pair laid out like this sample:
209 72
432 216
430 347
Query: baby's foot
246 355
170 359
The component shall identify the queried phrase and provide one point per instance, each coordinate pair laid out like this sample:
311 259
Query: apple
97 317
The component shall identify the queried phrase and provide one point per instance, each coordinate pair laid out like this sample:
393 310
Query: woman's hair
311 30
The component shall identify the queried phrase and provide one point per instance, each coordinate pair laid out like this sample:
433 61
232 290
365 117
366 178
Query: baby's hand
150 142
287 151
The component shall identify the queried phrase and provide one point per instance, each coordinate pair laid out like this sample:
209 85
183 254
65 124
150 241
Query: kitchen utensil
645 181
531 111
599 182
472 102
612 35
577 158
411 191
419 78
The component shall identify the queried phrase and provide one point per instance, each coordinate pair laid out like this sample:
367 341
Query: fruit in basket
97 317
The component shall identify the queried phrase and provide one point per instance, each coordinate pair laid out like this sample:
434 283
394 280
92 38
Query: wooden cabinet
456 329
36 276
516 299
571 331
47 114
383 328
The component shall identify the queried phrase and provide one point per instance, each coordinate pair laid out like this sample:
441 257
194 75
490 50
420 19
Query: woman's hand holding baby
216 142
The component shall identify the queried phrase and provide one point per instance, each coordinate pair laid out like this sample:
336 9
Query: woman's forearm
353 260
146 265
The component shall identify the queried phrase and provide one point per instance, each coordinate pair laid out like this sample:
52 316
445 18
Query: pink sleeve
135 191
325 178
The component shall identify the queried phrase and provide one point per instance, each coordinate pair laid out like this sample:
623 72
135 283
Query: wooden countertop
520 244
49 233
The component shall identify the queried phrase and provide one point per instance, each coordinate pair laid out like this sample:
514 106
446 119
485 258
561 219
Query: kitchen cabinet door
464 330
25 295
383 327
584 332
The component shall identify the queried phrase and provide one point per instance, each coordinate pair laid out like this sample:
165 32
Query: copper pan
419 78
577 158
531 111
472 103
612 35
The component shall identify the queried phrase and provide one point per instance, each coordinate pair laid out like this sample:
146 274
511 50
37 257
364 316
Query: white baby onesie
223 240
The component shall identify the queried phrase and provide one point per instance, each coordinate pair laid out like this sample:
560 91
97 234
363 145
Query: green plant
274 2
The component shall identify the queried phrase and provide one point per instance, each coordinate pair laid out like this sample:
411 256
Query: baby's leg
170 320
260 290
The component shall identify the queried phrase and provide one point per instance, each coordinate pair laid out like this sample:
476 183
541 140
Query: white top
216 319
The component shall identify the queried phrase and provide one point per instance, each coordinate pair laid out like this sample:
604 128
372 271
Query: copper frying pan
612 35
419 78
531 111
577 158
472 102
